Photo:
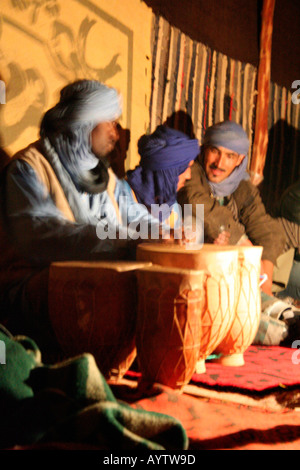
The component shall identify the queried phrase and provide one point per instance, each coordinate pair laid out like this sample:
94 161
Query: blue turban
232 136
68 126
165 154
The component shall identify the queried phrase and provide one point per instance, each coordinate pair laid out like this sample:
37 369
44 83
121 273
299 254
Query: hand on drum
180 236
223 238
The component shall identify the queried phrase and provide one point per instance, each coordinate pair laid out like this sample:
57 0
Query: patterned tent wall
194 86
206 85
282 167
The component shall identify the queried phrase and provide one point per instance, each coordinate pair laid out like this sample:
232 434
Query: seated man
59 202
233 209
166 159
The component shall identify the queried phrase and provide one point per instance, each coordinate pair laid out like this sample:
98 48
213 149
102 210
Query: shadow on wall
282 167
118 156
4 158
181 121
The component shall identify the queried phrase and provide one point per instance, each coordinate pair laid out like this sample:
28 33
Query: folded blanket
72 402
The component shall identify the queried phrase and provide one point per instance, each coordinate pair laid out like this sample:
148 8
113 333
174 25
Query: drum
92 308
248 310
168 335
221 285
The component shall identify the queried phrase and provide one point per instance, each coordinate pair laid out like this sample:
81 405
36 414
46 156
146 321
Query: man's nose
221 159
114 133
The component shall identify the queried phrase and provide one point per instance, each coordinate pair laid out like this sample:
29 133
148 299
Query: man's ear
240 159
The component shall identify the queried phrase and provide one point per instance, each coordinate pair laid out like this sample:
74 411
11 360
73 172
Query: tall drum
221 286
92 308
248 310
168 335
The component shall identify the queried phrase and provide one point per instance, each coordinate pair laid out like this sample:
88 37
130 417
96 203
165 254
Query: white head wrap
68 125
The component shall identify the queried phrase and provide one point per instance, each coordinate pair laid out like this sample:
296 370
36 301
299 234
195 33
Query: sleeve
196 192
261 228
136 218
39 230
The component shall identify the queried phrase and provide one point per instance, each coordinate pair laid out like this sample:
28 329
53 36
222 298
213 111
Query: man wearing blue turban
60 199
233 209
166 159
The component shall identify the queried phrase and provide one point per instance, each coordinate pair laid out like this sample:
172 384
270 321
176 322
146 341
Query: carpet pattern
265 368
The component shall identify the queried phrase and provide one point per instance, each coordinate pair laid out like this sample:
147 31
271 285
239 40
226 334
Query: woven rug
266 367
216 425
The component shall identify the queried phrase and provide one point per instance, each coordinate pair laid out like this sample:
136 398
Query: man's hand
222 239
267 268
244 241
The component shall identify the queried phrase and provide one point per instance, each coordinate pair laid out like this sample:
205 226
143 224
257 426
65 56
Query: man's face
219 163
104 137
186 175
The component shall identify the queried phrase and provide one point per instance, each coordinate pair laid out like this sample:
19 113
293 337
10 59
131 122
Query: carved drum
248 309
168 336
220 289
92 308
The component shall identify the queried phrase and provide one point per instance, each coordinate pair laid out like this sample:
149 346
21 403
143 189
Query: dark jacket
289 206
251 218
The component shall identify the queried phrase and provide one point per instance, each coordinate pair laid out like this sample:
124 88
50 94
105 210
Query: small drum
92 308
221 286
248 310
168 333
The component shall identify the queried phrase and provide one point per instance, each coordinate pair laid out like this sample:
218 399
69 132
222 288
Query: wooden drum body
168 335
92 308
248 310
221 286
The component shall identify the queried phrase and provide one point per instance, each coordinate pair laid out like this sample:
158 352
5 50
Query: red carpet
266 367
214 425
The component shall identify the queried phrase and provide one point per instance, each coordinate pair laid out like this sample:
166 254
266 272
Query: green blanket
71 402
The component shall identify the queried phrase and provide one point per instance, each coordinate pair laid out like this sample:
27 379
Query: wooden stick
263 87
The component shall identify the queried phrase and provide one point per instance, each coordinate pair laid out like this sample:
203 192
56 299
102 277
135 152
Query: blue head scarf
165 154
232 136
69 124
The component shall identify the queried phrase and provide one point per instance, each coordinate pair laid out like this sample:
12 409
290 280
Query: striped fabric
190 77
282 167
194 86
